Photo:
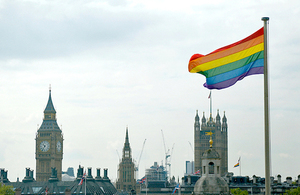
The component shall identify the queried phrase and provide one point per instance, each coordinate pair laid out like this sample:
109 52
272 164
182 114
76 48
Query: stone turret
211 182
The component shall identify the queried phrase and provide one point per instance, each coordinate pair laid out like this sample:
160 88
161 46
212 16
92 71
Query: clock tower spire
126 172
49 145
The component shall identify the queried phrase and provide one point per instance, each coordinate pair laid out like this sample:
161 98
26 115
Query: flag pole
210 97
85 185
266 109
146 184
240 166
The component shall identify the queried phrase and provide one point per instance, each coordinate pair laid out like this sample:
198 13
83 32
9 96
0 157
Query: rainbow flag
227 65
237 164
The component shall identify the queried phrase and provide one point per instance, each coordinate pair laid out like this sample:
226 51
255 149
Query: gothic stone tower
220 137
126 172
49 145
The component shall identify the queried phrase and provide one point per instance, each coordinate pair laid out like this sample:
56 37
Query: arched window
211 168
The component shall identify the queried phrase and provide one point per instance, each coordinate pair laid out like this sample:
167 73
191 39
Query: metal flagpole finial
265 18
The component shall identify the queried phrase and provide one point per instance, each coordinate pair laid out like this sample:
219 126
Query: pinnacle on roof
49 108
197 116
126 139
218 116
203 119
224 119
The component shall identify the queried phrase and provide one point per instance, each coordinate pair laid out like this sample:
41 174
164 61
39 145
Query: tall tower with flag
49 145
218 129
126 172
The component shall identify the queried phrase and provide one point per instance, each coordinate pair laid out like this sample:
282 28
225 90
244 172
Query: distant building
220 137
156 181
92 185
156 176
49 145
70 171
126 172
68 175
189 168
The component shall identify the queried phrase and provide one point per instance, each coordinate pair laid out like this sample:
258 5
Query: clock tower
126 172
49 145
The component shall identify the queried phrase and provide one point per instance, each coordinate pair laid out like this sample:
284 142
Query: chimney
3 176
79 172
98 172
53 177
105 174
27 172
98 177
28 177
31 173
89 172
254 179
89 176
279 178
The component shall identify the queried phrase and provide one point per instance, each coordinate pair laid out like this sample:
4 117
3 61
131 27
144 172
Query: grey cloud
30 35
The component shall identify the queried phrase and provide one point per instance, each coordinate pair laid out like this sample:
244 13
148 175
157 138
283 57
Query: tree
238 191
6 190
294 191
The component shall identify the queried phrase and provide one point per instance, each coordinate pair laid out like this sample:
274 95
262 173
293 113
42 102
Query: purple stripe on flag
230 82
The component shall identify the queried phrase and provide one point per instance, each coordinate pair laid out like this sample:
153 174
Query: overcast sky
124 63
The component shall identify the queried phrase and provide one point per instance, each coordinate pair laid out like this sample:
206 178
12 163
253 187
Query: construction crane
191 147
142 151
167 156
170 160
118 155
138 163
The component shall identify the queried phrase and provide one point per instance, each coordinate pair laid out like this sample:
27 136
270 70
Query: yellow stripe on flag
228 59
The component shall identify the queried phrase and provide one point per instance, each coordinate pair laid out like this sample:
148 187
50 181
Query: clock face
58 146
44 146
